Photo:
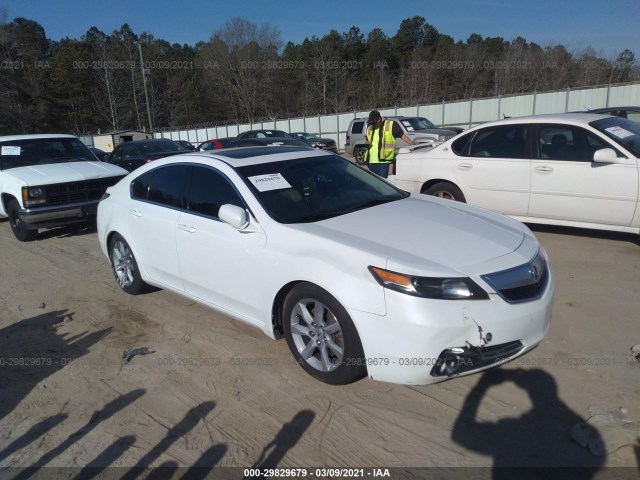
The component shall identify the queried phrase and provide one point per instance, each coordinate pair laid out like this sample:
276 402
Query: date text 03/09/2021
324 472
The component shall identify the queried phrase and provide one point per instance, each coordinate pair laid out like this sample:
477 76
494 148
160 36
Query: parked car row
270 137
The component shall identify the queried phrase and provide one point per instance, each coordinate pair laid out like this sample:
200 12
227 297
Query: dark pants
380 169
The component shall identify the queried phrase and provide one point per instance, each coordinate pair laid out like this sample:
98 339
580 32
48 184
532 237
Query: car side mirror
233 215
607 155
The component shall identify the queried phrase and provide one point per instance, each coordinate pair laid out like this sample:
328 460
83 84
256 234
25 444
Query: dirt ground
216 392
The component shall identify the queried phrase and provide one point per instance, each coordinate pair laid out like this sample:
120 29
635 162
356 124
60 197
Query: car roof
10 138
244 156
138 142
609 109
568 118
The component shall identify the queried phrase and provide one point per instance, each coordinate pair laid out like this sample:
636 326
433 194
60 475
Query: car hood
423 235
64 172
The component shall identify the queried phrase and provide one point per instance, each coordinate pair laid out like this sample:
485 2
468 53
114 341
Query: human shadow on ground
183 427
99 416
288 436
31 350
533 445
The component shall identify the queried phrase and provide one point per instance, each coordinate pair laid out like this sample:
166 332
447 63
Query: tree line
245 73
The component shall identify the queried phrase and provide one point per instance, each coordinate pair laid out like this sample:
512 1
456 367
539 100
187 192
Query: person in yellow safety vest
381 137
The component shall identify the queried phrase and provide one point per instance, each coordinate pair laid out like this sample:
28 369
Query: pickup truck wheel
445 190
19 228
359 154
125 267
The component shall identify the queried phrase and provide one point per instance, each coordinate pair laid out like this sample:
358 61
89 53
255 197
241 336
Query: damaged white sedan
361 278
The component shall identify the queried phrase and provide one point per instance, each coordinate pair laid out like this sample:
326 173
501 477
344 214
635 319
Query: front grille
75 192
523 283
526 292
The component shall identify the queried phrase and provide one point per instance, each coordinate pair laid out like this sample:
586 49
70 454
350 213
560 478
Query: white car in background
577 170
359 276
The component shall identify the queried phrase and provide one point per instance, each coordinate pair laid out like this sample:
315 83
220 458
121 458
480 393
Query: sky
608 27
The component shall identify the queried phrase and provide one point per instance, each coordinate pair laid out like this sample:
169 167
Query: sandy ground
219 393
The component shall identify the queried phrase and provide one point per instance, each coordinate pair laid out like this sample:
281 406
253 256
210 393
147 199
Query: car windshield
308 136
418 123
622 131
42 151
316 188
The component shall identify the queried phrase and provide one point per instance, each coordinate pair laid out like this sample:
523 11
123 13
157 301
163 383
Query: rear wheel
359 154
18 227
125 267
321 336
445 190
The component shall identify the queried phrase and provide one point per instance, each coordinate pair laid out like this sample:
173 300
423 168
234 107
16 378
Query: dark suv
419 129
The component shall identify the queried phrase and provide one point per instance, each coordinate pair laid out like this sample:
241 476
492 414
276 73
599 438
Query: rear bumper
43 217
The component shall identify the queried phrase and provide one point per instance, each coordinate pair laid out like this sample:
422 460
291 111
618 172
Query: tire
125 267
359 154
19 228
445 190
321 336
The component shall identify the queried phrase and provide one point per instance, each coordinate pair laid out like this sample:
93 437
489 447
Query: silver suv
418 129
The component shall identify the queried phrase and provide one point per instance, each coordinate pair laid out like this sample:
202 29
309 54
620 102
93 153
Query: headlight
442 138
36 192
33 196
443 288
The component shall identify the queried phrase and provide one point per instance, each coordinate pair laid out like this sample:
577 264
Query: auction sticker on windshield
6 150
619 132
272 181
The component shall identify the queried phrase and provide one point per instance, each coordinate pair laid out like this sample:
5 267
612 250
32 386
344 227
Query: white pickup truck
50 180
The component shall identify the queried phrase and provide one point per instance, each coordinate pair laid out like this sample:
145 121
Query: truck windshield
41 151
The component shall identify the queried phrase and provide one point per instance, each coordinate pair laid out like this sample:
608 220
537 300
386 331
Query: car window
566 142
168 185
503 141
459 145
357 127
140 186
634 116
130 151
210 190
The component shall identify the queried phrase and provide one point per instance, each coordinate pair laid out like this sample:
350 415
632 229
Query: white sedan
360 277
577 170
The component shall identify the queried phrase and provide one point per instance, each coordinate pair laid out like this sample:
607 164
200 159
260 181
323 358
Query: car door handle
465 166
544 169
187 228
135 213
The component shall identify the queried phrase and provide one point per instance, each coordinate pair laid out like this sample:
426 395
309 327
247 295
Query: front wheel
18 227
321 336
359 154
445 190
125 267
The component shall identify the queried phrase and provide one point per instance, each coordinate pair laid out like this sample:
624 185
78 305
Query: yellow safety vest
381 152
